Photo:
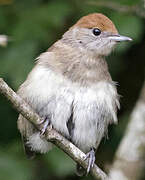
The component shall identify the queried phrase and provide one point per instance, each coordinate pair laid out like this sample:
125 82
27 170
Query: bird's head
94 32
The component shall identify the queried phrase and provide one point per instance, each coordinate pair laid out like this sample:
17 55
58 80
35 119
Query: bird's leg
45 122
91 159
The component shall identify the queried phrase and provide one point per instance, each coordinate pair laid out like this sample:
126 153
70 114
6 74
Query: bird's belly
92 112
91 118
91 108
90 127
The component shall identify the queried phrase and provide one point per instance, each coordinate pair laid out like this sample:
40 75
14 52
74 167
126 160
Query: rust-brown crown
97 20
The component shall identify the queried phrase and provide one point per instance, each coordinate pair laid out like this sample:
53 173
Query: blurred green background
32 27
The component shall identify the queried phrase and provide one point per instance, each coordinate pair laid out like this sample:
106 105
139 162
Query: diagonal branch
129 162
133 9
51 135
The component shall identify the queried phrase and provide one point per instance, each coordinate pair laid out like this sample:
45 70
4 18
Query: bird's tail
80 171
33 142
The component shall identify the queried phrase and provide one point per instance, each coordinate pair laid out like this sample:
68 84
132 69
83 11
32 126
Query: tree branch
51 135
134 9
3 40
129 161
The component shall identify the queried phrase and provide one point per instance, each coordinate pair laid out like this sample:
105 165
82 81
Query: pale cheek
101 46
105 50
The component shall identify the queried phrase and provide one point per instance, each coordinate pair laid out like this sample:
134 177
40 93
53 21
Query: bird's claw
91 159
45 123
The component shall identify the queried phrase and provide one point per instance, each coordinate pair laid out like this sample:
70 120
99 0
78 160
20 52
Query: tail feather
33 143
80 171
29 153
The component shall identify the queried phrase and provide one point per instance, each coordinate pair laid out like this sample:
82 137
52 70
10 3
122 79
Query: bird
71 89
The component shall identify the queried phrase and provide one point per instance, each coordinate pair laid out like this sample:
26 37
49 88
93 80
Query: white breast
94 110
50 93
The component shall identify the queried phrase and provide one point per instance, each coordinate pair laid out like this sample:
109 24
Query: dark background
32 27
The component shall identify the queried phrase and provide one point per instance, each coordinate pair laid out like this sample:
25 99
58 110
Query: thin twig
51 135
3 40
134 9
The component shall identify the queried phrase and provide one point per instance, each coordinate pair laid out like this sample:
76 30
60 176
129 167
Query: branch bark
129 161
51 135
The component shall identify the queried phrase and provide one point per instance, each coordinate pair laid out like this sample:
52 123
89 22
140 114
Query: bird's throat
78 66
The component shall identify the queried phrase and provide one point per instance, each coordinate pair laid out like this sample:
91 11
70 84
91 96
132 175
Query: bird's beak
119 38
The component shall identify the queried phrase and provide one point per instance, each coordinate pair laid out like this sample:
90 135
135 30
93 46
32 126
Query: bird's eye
96 31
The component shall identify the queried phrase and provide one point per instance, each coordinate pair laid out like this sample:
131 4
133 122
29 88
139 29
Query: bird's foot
44 124
91 159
